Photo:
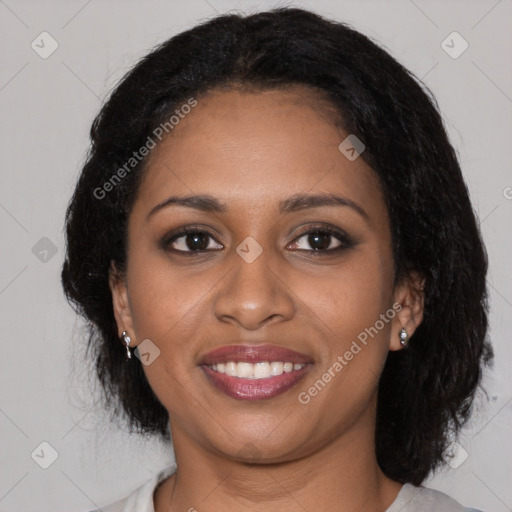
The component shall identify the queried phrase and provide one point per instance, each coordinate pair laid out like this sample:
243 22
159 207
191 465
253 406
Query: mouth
247 372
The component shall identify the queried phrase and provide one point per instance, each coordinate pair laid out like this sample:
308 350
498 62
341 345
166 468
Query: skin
251 150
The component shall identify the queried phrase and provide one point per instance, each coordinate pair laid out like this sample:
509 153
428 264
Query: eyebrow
298 202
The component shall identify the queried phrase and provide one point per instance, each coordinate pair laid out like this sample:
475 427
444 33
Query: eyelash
344 239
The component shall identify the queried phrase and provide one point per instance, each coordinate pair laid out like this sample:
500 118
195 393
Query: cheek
357 342
168 308
347 306
349 298
163 295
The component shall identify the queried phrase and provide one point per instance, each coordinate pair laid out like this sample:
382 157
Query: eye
322 240
191 240
195 240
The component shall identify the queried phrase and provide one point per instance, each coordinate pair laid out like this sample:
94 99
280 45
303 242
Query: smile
254 372
260 370
255 388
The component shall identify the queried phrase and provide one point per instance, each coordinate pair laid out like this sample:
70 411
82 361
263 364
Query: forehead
252 148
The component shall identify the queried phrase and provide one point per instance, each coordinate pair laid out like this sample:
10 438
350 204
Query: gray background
47 108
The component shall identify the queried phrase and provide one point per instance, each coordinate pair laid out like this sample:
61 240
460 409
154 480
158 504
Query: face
270 272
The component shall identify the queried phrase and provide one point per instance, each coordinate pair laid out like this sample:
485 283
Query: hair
425 392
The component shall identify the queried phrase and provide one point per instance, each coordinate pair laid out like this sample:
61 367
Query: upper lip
253 353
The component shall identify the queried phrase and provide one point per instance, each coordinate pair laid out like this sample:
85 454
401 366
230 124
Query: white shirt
409 499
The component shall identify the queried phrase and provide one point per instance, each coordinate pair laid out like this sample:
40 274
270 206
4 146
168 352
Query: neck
342 475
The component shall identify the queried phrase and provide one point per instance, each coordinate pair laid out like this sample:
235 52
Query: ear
121 303
409 300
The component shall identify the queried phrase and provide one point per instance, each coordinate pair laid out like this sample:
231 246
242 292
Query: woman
273 221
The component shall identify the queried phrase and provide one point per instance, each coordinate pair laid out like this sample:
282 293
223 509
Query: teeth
259 370
276 368
231 369
245 370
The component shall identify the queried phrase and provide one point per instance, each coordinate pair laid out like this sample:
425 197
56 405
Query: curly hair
425 392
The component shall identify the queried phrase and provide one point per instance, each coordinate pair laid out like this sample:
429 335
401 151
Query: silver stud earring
127 340
404 337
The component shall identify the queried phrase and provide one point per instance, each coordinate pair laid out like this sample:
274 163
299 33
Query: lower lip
254 389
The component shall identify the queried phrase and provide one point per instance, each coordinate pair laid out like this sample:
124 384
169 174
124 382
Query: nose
253 294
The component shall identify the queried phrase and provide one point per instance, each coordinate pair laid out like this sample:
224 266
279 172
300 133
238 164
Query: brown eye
190 241
322 240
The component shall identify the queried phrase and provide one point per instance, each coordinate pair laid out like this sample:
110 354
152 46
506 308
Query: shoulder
422 499
141 499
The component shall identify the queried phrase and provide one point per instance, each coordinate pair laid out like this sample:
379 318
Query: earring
404 337
127 340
